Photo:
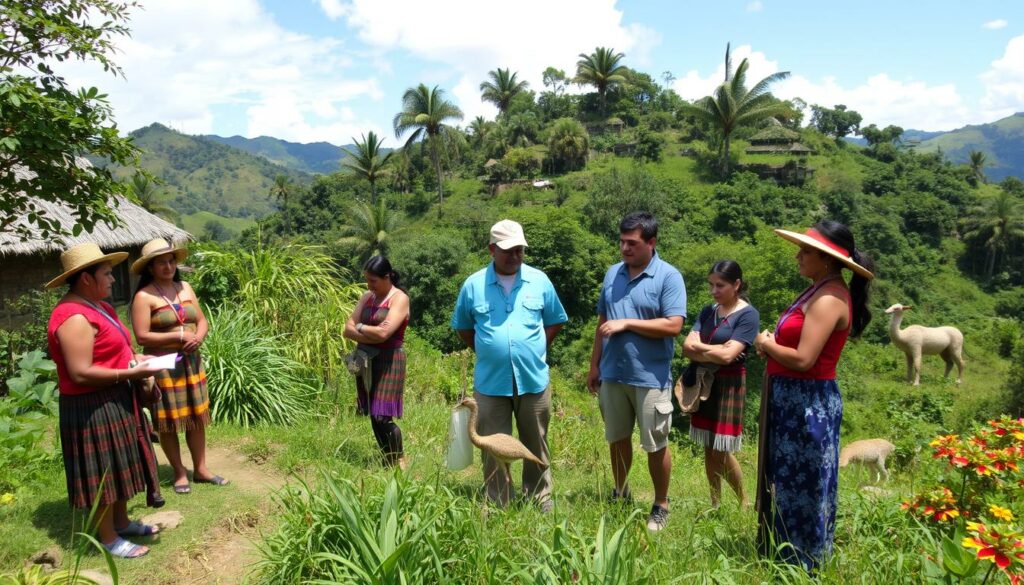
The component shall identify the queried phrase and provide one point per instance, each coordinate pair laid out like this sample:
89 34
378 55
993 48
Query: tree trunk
437 168
373 192
725 156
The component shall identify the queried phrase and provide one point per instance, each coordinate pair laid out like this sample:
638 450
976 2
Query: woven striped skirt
184 403
100 441
718 423
384 397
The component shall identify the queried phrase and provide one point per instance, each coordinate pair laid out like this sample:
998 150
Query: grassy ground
875 540
196 222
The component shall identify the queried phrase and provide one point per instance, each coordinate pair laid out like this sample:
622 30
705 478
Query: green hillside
196 223
314 157
202 175
1001 141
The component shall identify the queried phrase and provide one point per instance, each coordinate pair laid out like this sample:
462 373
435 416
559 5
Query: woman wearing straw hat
801 408
107 455
167 319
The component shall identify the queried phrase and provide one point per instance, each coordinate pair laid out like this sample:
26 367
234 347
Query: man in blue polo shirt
508 313
641 310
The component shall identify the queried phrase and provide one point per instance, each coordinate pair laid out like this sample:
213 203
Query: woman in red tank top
378 325
107 454
801 408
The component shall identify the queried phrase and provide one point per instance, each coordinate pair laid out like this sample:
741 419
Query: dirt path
227 552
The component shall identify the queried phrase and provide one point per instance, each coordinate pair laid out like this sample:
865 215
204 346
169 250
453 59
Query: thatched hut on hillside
27 264
777 139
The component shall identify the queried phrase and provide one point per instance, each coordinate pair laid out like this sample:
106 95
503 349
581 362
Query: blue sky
309 70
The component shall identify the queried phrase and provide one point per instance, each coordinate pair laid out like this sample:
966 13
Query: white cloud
334 9
880 99
470 38
1004 82
755 6
189 61
995 24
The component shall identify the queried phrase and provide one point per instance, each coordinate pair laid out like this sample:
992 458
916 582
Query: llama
870 453
916 341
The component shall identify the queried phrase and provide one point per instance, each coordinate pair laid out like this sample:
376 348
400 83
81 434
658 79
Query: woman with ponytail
378 323
801 408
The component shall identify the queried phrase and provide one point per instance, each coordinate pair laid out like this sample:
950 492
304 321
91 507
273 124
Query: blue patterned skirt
798 475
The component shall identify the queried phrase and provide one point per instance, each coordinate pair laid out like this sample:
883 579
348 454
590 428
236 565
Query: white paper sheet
164 362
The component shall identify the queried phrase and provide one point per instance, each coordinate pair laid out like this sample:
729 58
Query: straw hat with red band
154 248
79 257
815 239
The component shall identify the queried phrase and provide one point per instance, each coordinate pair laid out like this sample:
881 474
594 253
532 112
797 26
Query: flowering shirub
1001 544
937 505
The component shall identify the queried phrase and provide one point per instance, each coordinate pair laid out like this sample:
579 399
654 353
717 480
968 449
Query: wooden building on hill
777 139
27 265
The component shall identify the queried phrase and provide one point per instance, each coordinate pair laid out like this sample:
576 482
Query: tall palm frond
281 190
426 113
999 223
602 70
148 197
502 88
370 228
977 162
367 162
732 105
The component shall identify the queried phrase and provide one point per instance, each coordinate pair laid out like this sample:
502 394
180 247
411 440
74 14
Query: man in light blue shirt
509 313
641 310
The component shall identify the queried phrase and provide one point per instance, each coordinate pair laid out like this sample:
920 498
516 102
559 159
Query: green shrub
294 291
252 379
27 414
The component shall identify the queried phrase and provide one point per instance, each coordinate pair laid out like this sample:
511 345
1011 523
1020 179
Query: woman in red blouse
106 458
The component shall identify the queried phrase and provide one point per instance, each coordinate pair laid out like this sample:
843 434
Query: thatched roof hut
26 264
777 139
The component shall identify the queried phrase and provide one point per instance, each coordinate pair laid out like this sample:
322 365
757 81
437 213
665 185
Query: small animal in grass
504 448
870 453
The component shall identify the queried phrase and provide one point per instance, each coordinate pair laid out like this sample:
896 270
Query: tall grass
294 290
252 379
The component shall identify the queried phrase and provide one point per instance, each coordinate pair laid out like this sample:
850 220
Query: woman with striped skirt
167 319
107 454
721 335
378 325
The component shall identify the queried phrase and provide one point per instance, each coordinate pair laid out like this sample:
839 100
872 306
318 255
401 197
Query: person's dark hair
860 287
640 220
379 266
91 270
730 271
146 277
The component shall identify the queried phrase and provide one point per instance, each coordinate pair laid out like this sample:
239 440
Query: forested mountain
197 174
315 157
1001 141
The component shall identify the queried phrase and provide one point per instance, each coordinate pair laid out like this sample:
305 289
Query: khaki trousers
532 413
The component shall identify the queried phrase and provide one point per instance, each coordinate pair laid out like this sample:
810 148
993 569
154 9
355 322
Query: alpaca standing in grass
870 453
916 341
504 448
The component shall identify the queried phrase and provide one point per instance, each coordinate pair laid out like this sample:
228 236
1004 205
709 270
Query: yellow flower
971 542
1001 513
6 499
975 526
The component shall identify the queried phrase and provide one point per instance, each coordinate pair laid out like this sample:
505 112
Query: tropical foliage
501 88
602 70
370 228
367 161
427 114
733 105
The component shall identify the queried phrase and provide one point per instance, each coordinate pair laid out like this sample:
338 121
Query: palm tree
366 161
502 87
733 105
282 190
602 70
568 144
479 128
976 163
426 112
370 228
148 197
999 221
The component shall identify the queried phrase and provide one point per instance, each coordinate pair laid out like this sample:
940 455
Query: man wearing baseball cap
508 313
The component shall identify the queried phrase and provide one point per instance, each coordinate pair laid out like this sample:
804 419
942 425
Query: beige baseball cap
507 234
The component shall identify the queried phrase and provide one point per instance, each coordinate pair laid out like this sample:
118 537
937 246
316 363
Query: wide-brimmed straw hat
81 256
154 248
818 241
